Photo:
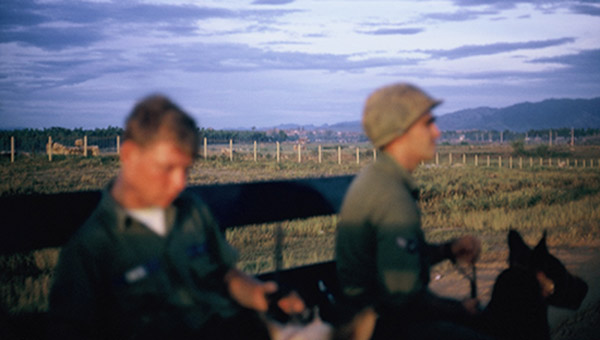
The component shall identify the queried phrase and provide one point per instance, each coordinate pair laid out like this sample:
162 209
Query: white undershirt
153 218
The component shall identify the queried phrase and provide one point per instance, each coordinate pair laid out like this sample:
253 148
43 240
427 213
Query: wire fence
281 152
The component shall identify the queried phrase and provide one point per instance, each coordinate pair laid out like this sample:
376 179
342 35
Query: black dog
535 279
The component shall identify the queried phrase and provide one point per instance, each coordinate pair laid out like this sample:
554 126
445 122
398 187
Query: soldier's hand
466 249
471 306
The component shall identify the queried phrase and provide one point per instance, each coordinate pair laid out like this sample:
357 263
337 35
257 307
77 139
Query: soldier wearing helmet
383 260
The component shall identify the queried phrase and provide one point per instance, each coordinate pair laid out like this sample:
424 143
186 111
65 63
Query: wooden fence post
50 148
550 161
584 163
299 146
464 159
278 152
499 161
488 157
531 162
437 158
520 162
320 154
12 149
118 145
85 146
231 150
374 154
510 162
450 159
205 149
541 161
357 155
255 156
476 160
339 154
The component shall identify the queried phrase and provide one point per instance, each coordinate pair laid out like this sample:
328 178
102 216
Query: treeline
35 140
243 136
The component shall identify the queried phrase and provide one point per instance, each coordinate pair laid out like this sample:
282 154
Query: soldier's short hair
155 118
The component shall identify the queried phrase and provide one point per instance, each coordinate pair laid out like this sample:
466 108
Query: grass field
455 200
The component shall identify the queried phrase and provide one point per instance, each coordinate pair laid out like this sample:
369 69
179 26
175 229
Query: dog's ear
542 259
519 252
542 247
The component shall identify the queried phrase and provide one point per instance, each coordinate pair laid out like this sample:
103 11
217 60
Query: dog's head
559 287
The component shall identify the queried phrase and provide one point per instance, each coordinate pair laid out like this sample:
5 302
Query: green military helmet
391 110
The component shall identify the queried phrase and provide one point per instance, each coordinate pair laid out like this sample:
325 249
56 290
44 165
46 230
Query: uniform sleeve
226 254
399 246
73 298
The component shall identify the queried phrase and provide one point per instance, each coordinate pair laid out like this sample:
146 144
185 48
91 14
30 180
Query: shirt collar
389 165
119 218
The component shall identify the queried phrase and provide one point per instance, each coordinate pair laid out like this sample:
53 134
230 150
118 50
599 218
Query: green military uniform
382 258
381 254
116 278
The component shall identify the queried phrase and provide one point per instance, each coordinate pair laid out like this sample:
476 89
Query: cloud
19 13
582 63
242 58
54 38
586 9
460 15
503 4
393 31
580 7
272 2
475 50
59 25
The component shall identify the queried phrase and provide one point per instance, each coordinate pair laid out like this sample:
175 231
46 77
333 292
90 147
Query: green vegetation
490 201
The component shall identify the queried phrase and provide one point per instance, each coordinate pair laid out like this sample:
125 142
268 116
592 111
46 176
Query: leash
472 277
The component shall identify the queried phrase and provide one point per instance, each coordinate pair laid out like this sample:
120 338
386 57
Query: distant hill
548 114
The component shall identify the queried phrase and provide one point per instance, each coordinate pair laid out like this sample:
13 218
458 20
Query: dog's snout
571 294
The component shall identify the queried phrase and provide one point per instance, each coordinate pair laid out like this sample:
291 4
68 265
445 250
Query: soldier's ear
128 148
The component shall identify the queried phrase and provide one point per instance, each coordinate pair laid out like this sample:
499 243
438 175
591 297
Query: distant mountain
548 114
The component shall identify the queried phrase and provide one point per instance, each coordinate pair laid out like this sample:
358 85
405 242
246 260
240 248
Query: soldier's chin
165 203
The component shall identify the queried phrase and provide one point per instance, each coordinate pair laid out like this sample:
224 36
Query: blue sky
267 62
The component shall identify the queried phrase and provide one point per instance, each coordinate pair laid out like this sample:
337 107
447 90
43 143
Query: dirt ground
583 261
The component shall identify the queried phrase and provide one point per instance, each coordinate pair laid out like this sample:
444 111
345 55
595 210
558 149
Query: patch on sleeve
398 281
411 246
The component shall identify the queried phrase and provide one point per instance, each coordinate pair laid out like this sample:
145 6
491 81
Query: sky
244 64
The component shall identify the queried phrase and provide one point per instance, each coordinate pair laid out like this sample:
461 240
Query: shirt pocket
141 286
205 269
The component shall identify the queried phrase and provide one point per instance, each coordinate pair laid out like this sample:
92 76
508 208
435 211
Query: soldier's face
156 174
422 136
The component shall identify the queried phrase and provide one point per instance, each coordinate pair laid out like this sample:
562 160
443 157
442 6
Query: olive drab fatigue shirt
118 279
380 248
